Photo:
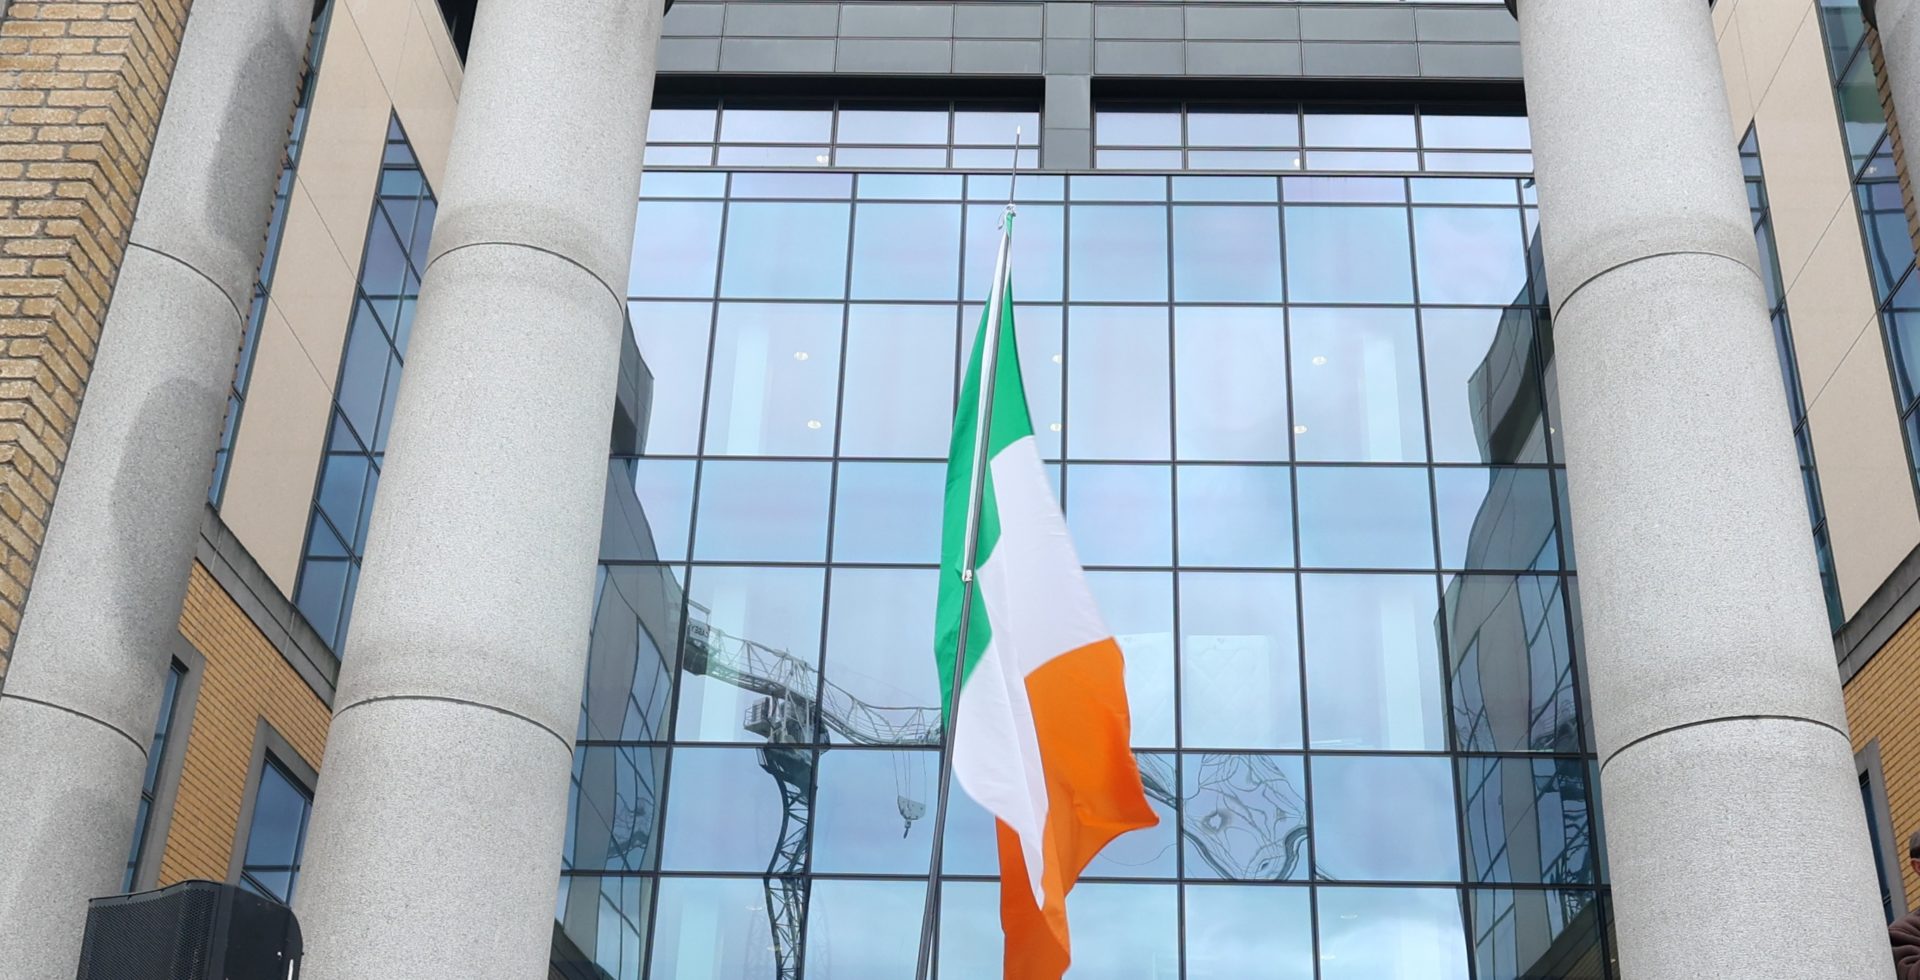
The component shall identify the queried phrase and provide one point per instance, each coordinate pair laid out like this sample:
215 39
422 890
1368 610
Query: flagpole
976 491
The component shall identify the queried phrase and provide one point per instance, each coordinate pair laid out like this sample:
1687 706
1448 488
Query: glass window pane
637 623
971 941
1348 255
1469 132
363 373
1254 160
1131 128
1231 397
776 125
613 816
1527 820
994 127
976 159
1234 126
1119 253
1516 931
863 930
880 629
914 187
899 381
1039 251
1379 161
1239 661
1483 393
762 511
678 156
1462 190
1359 129
1042 366
277 833
1149 852
1483 163
1358 836
1513 670
1373 664
1123 932
775 370
889 512
724 811
676 245
1121 515
1365 517
1240 931
322 590
1496 518
922 157
1117 380
605 920
680 125
1138 608
1112 187
785 251
648 509
1391 934
1343 190
1862 118
1226 254
871 805
1470 255
1236 516
343 478
713 928
1136 159
1246 816
906 251
902 124
1356 386
672 338
787 185
1255 190
746 622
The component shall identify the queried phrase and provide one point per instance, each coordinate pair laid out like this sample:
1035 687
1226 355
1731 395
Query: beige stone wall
381 57
82 84
1774 56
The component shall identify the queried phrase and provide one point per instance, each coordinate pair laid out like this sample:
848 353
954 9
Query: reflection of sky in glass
1236 931
1391 934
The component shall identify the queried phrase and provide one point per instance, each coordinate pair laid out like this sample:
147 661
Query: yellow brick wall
82 84
245 679
1883 702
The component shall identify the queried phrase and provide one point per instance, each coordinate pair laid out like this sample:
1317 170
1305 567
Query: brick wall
82 84
245 679
1883 702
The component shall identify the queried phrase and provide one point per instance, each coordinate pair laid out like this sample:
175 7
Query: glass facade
1304 432
739 133
1790 372
263 279
277 834
1251 136
1853 56
376 348
150 781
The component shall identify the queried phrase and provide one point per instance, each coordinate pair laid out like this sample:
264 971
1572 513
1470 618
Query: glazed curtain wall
1303 430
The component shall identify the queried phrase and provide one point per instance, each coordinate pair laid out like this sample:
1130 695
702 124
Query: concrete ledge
274 615
1879 618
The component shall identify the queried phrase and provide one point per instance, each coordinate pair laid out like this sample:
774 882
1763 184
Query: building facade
1281 273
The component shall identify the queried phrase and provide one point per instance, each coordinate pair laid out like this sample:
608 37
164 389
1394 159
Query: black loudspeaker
195 930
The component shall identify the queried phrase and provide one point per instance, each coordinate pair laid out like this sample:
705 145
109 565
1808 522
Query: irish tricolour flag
1040 724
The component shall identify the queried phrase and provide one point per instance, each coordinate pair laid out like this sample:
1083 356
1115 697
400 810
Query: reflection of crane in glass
1246 819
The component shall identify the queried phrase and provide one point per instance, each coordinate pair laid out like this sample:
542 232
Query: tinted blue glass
1862 118
971 943
1391 934
1235 516
1495 518
1239 661
1373 664
676 245
1126 932
1119 254
889 512
776 371
1483 393
1121 515
757 620
906 251
1359 837
613 817
1039 251
323 584
343 479
1473 132
637 624
668 183
1348 255
1512 671
1330 127
1514 931
712 927
1365 517
383 270
912 187
1115 188
899 381
1226 254
864 930
1246 816
1230 125
1137 128
786 251
648 509
672 338
874 615
606 920
1117 380
277 834
724 809
1469 255
1356 386
1037 336
860 824
1343 190
363 373
1138 608
1230 385
1250 189
762 511
1526 820
1239 931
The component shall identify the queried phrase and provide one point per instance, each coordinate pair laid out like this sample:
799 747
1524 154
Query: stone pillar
434 850
1734 829
84 689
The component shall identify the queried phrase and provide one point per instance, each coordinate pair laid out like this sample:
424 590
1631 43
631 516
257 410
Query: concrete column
1736 838
88 667
434 850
